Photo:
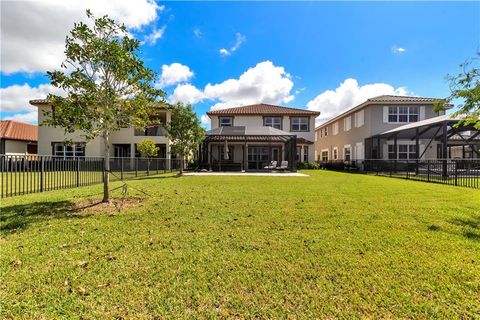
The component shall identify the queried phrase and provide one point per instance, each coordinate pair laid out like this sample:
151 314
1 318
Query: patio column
444 149
245 154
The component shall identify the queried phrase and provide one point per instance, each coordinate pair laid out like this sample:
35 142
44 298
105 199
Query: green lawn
332 245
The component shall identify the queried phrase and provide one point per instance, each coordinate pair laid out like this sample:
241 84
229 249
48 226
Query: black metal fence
29 174
455 172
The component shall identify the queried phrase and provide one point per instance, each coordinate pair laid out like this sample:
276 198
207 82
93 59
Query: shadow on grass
158 177
18 217
471 224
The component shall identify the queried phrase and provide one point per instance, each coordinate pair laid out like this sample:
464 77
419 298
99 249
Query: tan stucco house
51 140
254 135
345 136
18 138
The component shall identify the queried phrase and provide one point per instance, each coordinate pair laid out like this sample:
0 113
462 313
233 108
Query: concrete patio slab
259 174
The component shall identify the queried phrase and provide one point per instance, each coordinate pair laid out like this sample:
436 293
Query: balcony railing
153 131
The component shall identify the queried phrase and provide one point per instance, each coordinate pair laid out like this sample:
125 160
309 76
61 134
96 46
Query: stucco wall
95 147
14 147
257 121
355 137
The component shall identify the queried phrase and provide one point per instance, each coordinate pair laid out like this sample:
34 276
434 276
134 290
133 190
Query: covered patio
243 148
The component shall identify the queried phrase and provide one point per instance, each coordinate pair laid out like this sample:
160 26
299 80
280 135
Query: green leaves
147 148
107 85
466 87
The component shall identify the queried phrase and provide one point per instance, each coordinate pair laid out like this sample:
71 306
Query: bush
308 165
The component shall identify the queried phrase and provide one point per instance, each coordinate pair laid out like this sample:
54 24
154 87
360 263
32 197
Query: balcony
153 131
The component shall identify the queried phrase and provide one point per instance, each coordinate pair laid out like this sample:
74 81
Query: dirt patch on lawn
115 205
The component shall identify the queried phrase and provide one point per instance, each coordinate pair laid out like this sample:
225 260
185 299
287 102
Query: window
359 119
326 131
403 114
225 121
346 153
324 155
274 122
335 128
405 151
335 153
61 149
305 153
299 124
297 156
347 123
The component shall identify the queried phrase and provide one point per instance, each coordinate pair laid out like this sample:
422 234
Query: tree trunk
106 172
182 160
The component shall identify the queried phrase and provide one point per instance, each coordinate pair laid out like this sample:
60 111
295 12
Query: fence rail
29 174
455 172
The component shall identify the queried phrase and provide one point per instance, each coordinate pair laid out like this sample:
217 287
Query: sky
324 56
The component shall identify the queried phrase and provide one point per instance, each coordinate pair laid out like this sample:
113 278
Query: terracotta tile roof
263 109
14 130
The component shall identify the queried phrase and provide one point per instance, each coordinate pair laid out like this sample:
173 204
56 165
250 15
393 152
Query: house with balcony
249 138
369 131
51 140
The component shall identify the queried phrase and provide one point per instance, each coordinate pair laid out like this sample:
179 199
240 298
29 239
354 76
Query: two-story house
250 137
51 140
344 136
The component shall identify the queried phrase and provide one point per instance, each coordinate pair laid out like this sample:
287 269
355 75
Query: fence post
148 166
428 170
456 172
156 164
136 167
121 168
78 171
42 169
408 169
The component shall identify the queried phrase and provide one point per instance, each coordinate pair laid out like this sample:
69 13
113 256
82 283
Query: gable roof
384 99
263 109
14 130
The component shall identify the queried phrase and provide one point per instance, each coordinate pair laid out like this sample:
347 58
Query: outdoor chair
283 166
271 166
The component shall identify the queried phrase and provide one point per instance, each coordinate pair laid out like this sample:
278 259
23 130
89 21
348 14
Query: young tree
465 86
107 85
147 148
184 131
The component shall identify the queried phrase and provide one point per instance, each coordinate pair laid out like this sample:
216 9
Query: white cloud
30 117
33 32
173 74
186 93
349 94
15 98
156 34
205 120
398 50
239 40
224 52
197 32
265 83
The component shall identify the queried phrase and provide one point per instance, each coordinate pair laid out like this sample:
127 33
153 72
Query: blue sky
299 54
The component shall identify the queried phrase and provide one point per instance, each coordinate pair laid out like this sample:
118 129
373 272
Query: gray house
344 136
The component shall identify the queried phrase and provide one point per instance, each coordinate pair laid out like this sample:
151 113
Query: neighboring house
18 138
123 143
254 135
344 137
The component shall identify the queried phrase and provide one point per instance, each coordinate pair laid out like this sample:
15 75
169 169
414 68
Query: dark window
305 153
324 155
225 121
32 148
274 122
403 114
299 124
346 152
391 152
297 156
335 154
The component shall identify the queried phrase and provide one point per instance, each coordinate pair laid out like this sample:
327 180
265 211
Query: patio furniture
271 166
283 166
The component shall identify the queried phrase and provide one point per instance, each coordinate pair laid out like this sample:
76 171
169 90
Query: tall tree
466 87
107 85
184 131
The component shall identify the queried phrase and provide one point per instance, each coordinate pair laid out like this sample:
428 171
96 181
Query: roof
384 99
247 131
14 130
422 123
263 109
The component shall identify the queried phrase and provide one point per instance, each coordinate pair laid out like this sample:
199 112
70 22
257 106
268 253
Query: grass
332 245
